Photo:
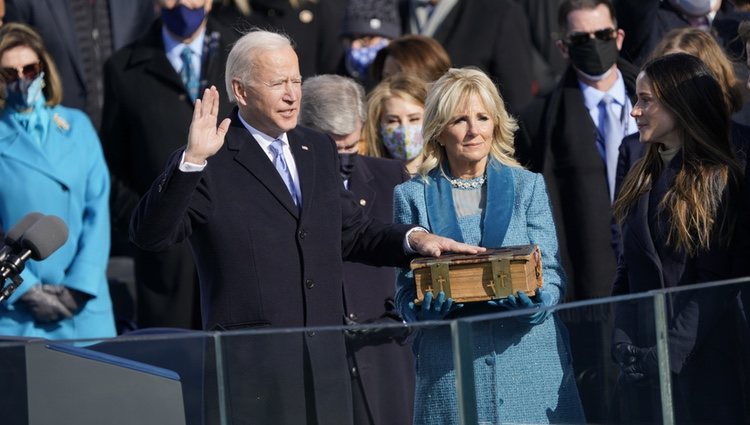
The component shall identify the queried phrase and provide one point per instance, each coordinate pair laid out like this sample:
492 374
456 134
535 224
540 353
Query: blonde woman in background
395 109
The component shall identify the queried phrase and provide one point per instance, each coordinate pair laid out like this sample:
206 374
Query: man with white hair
269 222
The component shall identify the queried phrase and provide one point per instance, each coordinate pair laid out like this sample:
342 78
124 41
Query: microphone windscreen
16 233
45 236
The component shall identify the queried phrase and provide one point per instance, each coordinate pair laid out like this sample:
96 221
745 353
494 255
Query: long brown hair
709 174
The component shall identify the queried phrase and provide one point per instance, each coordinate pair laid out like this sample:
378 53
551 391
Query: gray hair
332 104
241 59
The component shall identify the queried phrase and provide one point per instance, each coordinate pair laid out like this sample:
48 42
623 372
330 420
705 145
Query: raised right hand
205 138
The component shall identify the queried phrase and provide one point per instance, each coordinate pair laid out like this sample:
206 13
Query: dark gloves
434 310
51 303
541 299
388 327
636 363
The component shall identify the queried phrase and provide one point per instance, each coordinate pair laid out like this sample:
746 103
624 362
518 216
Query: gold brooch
61 123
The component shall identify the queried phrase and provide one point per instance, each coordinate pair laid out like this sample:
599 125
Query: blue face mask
22 94
358 60
183 21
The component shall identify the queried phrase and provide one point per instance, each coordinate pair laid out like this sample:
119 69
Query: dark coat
560 142
313 25
383 366
147 113
264 262
703 332
492 35
53 19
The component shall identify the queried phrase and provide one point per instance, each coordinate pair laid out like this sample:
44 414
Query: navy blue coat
703 336
383 366
262 262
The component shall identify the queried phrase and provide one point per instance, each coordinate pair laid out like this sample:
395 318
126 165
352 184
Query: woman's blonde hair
450 94
702 45
403 86
14 35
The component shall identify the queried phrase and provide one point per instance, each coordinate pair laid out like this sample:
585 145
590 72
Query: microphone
14 235
41 239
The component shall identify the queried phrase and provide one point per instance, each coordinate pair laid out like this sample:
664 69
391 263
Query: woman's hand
434 310
540 300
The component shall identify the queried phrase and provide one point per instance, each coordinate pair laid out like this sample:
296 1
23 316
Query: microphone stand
12 267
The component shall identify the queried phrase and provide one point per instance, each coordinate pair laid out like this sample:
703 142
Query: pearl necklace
474 183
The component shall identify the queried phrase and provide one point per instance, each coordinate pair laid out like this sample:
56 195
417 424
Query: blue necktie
188 73
280 163
612 138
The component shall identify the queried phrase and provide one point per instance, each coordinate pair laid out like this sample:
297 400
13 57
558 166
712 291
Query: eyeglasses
29 72
579 38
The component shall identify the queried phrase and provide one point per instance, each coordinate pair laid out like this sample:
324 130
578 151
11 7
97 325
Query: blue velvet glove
636 363
435 309
541 299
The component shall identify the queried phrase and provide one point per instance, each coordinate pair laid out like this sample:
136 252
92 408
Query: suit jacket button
311 334
309 283
182 97
353 371
302 234
352 316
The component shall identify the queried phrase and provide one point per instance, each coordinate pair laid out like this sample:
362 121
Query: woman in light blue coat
472 190
51 162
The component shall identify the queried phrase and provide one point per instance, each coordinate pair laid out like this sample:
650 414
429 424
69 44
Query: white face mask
693 7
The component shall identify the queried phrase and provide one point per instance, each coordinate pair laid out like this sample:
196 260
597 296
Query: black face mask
347 164
594 57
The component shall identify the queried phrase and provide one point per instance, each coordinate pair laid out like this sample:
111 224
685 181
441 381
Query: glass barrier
670 356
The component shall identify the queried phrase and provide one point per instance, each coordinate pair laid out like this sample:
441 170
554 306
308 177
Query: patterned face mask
403 142
359 60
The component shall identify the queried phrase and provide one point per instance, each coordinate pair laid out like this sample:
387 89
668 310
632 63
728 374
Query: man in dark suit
380 364
138 137
81 35
269 221
571 143
490 34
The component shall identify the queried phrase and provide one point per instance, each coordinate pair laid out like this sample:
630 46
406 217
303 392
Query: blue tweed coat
523 373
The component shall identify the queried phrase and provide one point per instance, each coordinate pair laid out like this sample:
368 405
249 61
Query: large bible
493 274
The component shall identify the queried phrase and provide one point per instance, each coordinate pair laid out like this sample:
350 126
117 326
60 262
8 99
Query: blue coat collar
500 199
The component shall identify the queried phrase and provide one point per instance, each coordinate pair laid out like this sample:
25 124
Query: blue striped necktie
281 166
188 73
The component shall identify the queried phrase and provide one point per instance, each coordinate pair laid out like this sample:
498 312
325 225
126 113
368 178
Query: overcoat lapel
303 154
251 157
441 212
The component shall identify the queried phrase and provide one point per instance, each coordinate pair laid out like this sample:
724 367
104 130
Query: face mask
23 94
692 7
182 21
594 57
346 161
403 142
358 60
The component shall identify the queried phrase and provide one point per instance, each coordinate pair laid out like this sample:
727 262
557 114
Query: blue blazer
66 176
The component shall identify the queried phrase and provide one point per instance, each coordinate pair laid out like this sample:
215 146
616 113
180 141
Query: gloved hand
624 354
51 303
393 327
434 310
541 299
636 363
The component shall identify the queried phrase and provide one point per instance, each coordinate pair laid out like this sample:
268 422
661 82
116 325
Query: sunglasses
579 38
29 72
